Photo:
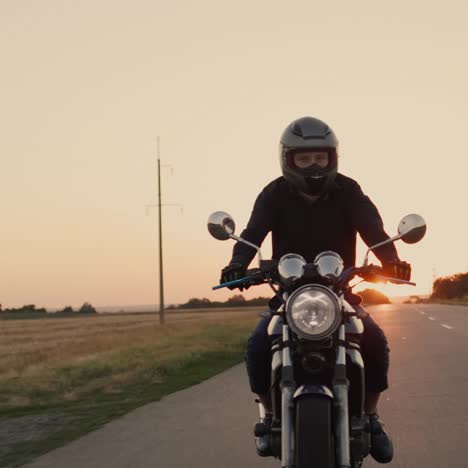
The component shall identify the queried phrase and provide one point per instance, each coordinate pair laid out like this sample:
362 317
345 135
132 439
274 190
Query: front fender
314 390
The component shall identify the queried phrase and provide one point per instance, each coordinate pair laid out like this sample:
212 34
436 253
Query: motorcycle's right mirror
412 228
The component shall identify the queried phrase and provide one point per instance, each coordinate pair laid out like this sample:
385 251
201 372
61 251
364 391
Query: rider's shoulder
345 183
280 187
276 187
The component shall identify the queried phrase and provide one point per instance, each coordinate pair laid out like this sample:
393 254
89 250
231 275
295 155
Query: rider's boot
262 428
381 444
263 438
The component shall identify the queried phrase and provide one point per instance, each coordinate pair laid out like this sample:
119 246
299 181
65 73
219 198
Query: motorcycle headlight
329 265
313 312
291 268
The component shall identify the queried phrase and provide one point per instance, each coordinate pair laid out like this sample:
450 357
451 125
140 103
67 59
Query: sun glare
390 290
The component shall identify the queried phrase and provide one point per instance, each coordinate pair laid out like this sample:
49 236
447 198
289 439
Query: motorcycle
317 370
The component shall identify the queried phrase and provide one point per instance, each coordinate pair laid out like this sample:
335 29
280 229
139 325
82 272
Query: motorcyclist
310 209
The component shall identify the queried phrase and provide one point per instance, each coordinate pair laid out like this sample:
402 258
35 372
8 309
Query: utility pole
161 275
160 247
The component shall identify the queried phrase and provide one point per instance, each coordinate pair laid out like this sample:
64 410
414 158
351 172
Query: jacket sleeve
260 224
368 223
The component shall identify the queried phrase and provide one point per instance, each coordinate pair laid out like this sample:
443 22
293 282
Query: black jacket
308 228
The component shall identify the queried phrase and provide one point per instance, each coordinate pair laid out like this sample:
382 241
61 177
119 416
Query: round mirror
221 225
412 228
329 264
291 267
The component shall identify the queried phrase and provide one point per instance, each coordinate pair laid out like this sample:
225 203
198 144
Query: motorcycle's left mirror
221 225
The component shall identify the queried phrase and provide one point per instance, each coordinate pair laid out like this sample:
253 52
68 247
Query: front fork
340 390
288 387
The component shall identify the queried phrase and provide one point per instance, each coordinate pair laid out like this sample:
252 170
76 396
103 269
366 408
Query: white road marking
447 326
431 318
422 313
403 337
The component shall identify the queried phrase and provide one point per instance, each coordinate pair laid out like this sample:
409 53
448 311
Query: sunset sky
87 86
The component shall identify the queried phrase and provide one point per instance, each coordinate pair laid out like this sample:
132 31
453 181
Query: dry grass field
63 377
73 356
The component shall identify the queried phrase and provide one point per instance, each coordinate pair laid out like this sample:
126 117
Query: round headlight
313 312
291 267
329 264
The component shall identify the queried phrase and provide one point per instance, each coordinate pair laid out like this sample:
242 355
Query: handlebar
256 276
374 272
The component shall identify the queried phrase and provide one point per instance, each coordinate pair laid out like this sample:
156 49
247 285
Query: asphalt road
210 425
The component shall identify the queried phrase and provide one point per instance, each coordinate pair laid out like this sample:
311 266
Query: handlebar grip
252 272
396 280
247 280
371 272
229 283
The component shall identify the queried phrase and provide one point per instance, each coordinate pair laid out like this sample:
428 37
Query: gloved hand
397 269
232 272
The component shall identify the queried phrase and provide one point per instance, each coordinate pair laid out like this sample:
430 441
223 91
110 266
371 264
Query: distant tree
87 308
195 303
373 297
236 300
31 308
450 287
66 310
413 300
26 309
258 301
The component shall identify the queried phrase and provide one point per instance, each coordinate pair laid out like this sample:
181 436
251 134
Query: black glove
397 269
233 272
370 272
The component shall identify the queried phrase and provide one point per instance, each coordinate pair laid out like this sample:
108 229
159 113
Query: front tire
314 434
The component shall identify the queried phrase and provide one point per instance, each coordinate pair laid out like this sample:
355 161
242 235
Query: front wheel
314 432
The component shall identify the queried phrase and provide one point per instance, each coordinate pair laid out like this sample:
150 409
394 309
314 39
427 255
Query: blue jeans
374 349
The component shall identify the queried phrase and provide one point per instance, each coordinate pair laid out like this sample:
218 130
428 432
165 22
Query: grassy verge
49 407
462 301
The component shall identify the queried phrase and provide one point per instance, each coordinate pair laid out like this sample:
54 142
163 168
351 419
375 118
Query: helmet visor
310 162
